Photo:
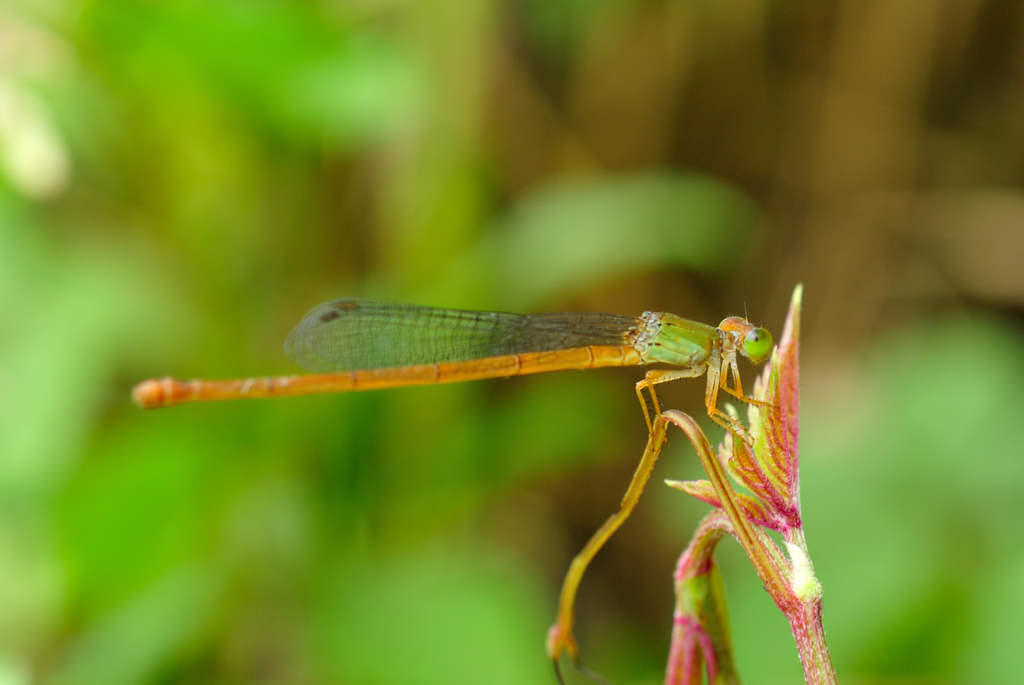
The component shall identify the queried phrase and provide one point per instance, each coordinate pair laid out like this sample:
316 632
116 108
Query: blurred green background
180 180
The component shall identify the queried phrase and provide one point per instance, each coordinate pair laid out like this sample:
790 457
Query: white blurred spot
33 155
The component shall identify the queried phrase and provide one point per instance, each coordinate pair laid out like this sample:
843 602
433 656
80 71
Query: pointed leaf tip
792 327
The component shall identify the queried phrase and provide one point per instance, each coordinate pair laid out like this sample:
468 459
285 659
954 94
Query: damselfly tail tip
148 394
158 392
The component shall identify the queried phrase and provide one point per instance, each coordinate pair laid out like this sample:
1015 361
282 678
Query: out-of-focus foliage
181 180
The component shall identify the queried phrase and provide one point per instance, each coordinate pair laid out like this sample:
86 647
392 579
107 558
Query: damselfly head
754 342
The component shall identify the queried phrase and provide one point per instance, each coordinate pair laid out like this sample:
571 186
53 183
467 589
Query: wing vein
347 335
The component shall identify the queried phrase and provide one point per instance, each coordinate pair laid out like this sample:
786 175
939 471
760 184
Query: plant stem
809 633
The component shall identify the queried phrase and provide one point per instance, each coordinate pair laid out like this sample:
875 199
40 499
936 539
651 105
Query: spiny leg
737 391
716 381
731 424
560 636
643 403
656 377
746 398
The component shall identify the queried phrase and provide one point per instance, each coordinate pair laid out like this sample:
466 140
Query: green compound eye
758 344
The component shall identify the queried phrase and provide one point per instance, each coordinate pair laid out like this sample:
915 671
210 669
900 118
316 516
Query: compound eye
758 344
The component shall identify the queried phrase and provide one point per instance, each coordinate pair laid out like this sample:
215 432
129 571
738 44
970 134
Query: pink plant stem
685 657
809 633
